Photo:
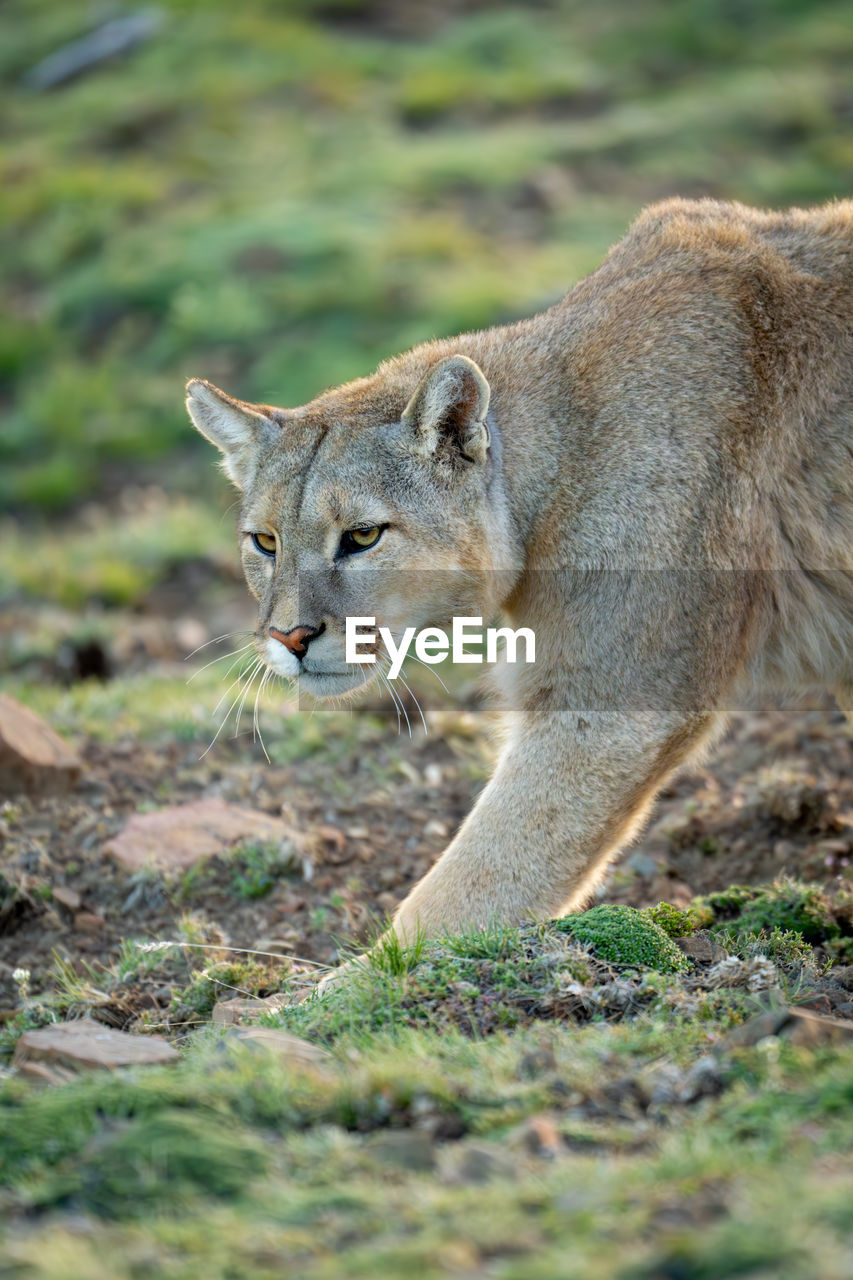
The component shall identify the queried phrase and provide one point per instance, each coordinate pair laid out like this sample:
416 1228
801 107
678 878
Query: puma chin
654 476
322 679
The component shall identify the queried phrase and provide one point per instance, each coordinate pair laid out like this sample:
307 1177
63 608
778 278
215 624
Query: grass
155 706
236 1164
419 1141
277 199
116 560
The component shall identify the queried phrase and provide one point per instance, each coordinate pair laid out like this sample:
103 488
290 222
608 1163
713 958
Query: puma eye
360 539
265 543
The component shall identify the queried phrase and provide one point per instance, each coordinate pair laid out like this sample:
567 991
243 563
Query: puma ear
449 410
237 428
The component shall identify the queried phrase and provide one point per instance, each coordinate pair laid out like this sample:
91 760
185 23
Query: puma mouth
330 684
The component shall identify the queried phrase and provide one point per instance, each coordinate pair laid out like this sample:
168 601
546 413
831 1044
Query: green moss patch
786 905
625 937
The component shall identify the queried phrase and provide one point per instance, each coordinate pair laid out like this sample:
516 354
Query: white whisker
221 658
226 635
250 680
227 715
414 699
263 684
397 698
383 680
231 685
432 669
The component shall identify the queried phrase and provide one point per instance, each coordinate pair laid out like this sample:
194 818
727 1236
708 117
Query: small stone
476 1162
806 1029
89 922
435 829
701 948
758 1028
537 1135
642 865
275 946
66 897
816 1001
290 1049
176 838
406 1148
39 1073
33 757
86 1043
245 1009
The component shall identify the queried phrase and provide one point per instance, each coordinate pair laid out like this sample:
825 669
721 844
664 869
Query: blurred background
277 195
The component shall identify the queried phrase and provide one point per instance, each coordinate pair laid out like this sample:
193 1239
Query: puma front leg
631 686
567 794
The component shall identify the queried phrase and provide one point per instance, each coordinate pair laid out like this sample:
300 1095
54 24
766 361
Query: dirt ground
774 797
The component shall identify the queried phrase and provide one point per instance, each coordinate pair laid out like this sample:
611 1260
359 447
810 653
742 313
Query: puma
655 476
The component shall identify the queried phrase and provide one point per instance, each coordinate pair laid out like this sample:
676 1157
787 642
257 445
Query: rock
476 1162
703 1080
842 975
290 1049
89 922
758 1028
816 1002
799 1026
245 1009
702 948
32 757
642 865
68 898
39 1073
538 1136
176 838
805 1028
406 1148
86 1043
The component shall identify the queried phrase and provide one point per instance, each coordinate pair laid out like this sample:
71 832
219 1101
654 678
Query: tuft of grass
165 1161
498 941
674 922
258 868
225 981
116 559
391 956
786 948
786 905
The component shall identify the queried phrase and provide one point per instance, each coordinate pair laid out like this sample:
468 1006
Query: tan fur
662 488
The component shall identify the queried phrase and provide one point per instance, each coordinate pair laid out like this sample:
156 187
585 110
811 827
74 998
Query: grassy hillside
278 195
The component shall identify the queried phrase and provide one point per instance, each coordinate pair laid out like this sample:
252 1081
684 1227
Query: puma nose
297 640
